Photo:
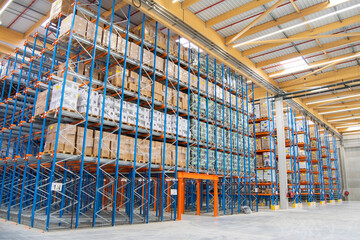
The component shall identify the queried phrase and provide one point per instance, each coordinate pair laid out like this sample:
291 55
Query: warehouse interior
183 113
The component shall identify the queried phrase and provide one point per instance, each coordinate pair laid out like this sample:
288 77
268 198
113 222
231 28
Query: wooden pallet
55 110
142 161
90 115
158 98
111 120
131 87
146 94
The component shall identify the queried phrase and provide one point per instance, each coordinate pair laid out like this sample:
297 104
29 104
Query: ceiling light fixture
330 99
336 2
344 119
342 110
319 90
184 42
300 24
351 133
45 23
347 125
5 6
297 69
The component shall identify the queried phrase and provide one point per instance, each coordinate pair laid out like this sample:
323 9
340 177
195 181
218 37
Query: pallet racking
67 167
268 183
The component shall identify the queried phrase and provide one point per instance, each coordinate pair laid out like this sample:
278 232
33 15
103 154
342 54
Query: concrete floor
340 221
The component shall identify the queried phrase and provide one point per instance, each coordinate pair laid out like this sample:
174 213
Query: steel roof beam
318 63
237 11
188 3
286 19
345 74
294 39
254 22
331 97
308 51
315 31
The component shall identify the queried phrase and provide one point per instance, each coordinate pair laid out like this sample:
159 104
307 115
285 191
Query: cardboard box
303 177
127 145
90 32
169 154
259 161
134 52
60 6
172 69
182 157
315 168
105 145
202 85
66 140
316 178
257 127
288 165
302 165
251 129
160 64
257 111
263 108
162 40
258 144
158 95
41 103
269 160
183 101
142 154
105 39
265 143
115 75
61 71
71 93
146 87
194 81
156 152
149 31
121 44
79 27
264 126
148 58
89 143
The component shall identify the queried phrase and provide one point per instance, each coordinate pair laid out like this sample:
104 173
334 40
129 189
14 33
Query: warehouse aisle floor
341 221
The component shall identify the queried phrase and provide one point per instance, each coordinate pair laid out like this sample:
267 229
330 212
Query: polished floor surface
339 221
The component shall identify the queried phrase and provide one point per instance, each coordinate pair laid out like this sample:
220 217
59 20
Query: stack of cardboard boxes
60 6
66 140
71 140
71 92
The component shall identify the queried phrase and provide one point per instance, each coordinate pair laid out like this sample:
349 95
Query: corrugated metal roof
284 79
308 3
29 17
216 10
343 51
307 44
347 64
276 52
316 59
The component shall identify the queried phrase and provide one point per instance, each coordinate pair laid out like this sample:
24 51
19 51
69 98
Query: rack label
56 187
173 192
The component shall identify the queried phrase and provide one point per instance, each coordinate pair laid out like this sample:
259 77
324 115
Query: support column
180 198
342 167
216 195
198 197
280 130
